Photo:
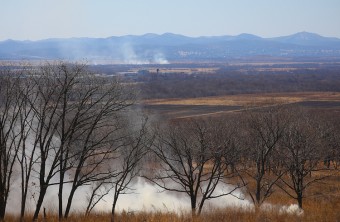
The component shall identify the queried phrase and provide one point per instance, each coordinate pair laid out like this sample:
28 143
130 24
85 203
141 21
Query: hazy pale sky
41 19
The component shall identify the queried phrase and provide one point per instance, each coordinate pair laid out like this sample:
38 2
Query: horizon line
157 34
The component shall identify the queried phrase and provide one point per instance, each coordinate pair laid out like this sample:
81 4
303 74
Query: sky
41 19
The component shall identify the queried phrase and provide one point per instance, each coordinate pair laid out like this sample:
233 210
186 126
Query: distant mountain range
168 47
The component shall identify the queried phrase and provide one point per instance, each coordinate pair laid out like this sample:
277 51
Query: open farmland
218 105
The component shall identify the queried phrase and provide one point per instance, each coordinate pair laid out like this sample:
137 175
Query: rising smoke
143 196
149 57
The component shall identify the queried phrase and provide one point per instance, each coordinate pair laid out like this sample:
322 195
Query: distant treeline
227 82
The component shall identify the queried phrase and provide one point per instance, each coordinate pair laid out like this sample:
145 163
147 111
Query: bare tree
302 151
96 145
26 157
128 165
262 133
75 119
99 189
193 160
331 138
45 128
10 109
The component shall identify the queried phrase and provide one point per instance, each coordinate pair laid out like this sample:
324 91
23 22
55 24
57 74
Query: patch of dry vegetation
251 99
313 213
322 204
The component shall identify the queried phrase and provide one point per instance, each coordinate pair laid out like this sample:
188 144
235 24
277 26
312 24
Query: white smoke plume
144 196
149 197
130 56
292 209
151 57
159 58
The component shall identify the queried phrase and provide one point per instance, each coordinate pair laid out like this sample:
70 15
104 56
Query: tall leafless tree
49 99
131 154
98 139
263 130
75 118
331 138
26 157
302 152
10 108
99 190
127 164
193 159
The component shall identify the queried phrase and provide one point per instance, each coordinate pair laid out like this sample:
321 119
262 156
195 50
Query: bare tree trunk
113 209
2 207
24 189
69 201
42 193
26 174
299 199
193 206
258 192
60 201
61 186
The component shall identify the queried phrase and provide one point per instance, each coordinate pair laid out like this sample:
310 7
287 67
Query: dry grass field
322 204
217 105
251 99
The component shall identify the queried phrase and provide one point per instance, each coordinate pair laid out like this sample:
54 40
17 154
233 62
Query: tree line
60 124
258 151
245 80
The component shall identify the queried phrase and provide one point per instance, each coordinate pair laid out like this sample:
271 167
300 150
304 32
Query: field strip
249 99
230 111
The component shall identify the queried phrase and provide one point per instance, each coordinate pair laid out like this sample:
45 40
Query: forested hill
168 47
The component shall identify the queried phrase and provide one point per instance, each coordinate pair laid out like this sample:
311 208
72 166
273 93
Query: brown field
250 99
217 105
